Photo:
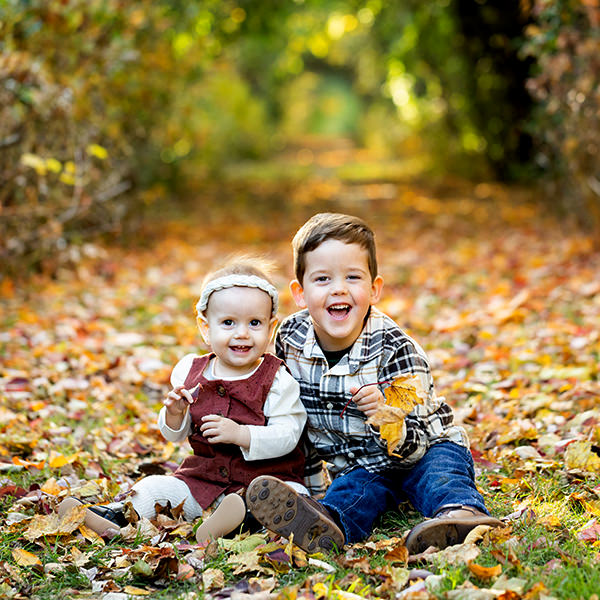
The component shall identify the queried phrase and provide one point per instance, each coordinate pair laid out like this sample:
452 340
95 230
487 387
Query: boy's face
337 290
238 326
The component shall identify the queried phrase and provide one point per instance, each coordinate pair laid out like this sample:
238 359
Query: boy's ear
204 329
376 289
272 327
297 293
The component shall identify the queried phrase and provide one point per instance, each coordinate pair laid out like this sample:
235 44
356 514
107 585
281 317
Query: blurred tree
103 97
564 40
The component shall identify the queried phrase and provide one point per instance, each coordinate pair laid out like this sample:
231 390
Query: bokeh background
112 112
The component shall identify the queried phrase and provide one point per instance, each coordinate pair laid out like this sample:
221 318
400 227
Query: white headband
234 280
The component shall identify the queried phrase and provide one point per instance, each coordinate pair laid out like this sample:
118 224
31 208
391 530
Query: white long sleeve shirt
283 410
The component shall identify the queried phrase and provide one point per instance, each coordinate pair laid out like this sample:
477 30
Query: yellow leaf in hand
400 398
404 392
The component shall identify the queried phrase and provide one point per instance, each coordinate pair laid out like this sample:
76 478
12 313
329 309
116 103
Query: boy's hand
367 398
178 400
221 430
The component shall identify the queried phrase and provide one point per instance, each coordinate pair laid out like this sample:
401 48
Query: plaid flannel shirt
382 352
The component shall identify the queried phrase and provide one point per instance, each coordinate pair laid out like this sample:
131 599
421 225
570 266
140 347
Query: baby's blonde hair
241 264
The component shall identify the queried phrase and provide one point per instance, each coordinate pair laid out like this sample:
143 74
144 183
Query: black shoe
111 513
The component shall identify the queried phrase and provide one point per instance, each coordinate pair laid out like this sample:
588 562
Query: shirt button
329 405
221 390
223 472
350 454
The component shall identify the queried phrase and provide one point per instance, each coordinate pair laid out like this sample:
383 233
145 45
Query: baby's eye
255 322
321 278
354 276
228 322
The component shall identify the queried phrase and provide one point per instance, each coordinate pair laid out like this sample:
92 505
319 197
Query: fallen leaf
136 591
213 579
398 554
185 572
590 532
24 558
52 524
247 562
321 564
484 572
580 455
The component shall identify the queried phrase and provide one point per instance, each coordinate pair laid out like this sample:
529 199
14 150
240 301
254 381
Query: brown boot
280 508
224 519
449 526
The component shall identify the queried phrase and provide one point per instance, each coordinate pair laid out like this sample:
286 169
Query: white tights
163 489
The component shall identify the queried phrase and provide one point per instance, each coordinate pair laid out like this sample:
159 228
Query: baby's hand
367 399
221 430
178 400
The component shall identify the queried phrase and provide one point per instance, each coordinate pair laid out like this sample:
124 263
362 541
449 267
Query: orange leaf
484 572
24 558
184 572
52 487
399 554
27 464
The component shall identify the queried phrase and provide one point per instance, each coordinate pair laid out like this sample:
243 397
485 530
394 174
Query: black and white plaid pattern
382 352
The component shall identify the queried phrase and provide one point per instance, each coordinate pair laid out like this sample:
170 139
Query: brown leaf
590 532
398 554
52 524
213 579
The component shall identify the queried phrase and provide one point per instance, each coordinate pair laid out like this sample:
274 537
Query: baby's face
238 328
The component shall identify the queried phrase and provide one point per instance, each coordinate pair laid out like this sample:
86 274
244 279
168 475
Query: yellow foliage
97 151
400 398
35 162
24 558
579 455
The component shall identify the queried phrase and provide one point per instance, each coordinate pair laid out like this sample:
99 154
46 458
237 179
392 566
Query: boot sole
442 533
278 507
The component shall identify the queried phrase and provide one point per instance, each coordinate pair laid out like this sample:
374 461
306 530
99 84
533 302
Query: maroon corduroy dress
215 469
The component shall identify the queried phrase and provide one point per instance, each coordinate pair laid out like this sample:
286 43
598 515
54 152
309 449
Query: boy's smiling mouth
339 311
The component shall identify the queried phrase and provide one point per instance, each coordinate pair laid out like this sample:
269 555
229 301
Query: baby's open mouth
240 348
339 311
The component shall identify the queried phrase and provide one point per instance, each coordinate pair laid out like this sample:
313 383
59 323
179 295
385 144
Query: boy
333 347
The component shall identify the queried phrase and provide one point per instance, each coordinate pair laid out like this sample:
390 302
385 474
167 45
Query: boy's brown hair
333 226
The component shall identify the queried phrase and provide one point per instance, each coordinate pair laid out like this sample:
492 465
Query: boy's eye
254 322
228 322
321 278
354 276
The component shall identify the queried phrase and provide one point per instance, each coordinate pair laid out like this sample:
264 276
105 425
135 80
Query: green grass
540 551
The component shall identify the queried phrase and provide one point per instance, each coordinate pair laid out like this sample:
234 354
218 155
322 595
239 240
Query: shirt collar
368 345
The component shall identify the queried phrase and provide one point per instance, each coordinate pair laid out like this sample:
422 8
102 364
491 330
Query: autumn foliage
505 301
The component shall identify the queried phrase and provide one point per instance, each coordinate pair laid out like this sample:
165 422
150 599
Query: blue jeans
444 475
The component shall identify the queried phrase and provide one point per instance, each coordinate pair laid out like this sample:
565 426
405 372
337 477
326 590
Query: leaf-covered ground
505 299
